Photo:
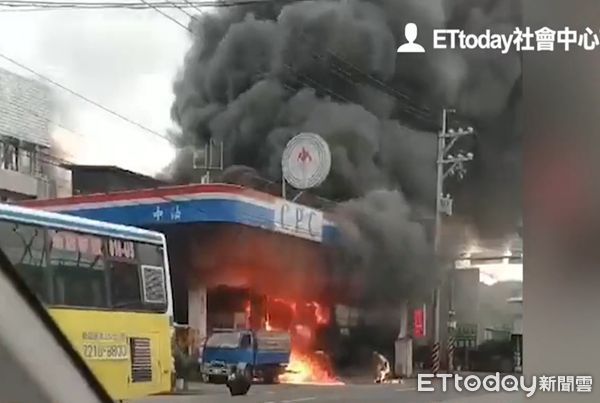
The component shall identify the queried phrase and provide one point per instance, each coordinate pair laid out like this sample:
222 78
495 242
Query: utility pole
447 165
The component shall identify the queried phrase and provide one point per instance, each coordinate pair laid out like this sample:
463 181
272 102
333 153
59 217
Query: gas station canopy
197 204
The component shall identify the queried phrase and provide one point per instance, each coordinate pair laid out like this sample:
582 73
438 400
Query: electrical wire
338 70
194 7
166 15
421 112
86 99
132 5
418 111
343 74
182 9
315 84
299 76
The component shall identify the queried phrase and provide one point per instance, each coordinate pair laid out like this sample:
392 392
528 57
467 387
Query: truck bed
269 341
273 348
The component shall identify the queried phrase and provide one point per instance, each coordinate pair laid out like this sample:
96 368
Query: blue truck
265 354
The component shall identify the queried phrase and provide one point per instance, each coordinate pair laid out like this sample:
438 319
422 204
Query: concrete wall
517 311
26 107
17 185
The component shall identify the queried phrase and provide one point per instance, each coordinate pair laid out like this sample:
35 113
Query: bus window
78 269
154 288
24 245
125 286
150 255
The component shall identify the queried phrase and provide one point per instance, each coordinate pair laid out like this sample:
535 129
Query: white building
26 167
517 303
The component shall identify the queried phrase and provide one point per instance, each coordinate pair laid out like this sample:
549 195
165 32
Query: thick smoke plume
383 248
256 76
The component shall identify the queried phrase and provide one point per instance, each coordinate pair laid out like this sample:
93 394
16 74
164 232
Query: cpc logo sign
300 221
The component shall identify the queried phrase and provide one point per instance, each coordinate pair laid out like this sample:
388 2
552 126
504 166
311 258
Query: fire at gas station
239 259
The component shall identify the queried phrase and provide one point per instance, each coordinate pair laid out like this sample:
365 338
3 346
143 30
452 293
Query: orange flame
306 366
268 324
248 310
310 369
321 313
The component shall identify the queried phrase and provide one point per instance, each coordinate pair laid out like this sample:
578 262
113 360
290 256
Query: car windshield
224 340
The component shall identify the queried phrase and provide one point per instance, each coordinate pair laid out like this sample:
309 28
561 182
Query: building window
9 156
26 161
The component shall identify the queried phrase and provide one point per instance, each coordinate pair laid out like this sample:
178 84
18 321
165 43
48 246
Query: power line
347 76
292 71
130 5
47 119
419 111
424 113
166 15
194 7
314 84
83 97
182 9
344 74
53 159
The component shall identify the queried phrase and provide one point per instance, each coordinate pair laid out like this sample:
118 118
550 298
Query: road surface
358 393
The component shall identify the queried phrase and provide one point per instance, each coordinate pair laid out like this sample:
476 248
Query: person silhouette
410 32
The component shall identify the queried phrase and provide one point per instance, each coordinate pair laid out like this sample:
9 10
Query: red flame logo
304 156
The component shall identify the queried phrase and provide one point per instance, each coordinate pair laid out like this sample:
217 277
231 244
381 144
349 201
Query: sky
125 60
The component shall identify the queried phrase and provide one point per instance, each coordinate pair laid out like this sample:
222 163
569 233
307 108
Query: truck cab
265 354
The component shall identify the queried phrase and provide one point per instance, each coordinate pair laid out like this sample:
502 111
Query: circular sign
306 161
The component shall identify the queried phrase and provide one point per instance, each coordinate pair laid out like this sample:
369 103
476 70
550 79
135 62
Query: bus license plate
104 351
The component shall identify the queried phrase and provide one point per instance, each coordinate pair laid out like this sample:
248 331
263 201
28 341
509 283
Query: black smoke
257 75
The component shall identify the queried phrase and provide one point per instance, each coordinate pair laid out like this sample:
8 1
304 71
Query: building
90 179
517 304
466 303
517 332
27 170
493 334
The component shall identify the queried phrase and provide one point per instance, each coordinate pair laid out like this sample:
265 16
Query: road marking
406 389
302 399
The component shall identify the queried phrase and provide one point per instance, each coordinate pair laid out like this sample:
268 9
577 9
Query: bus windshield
75 269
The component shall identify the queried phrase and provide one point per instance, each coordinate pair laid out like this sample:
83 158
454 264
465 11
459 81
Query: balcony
17 185
29 172
21 186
